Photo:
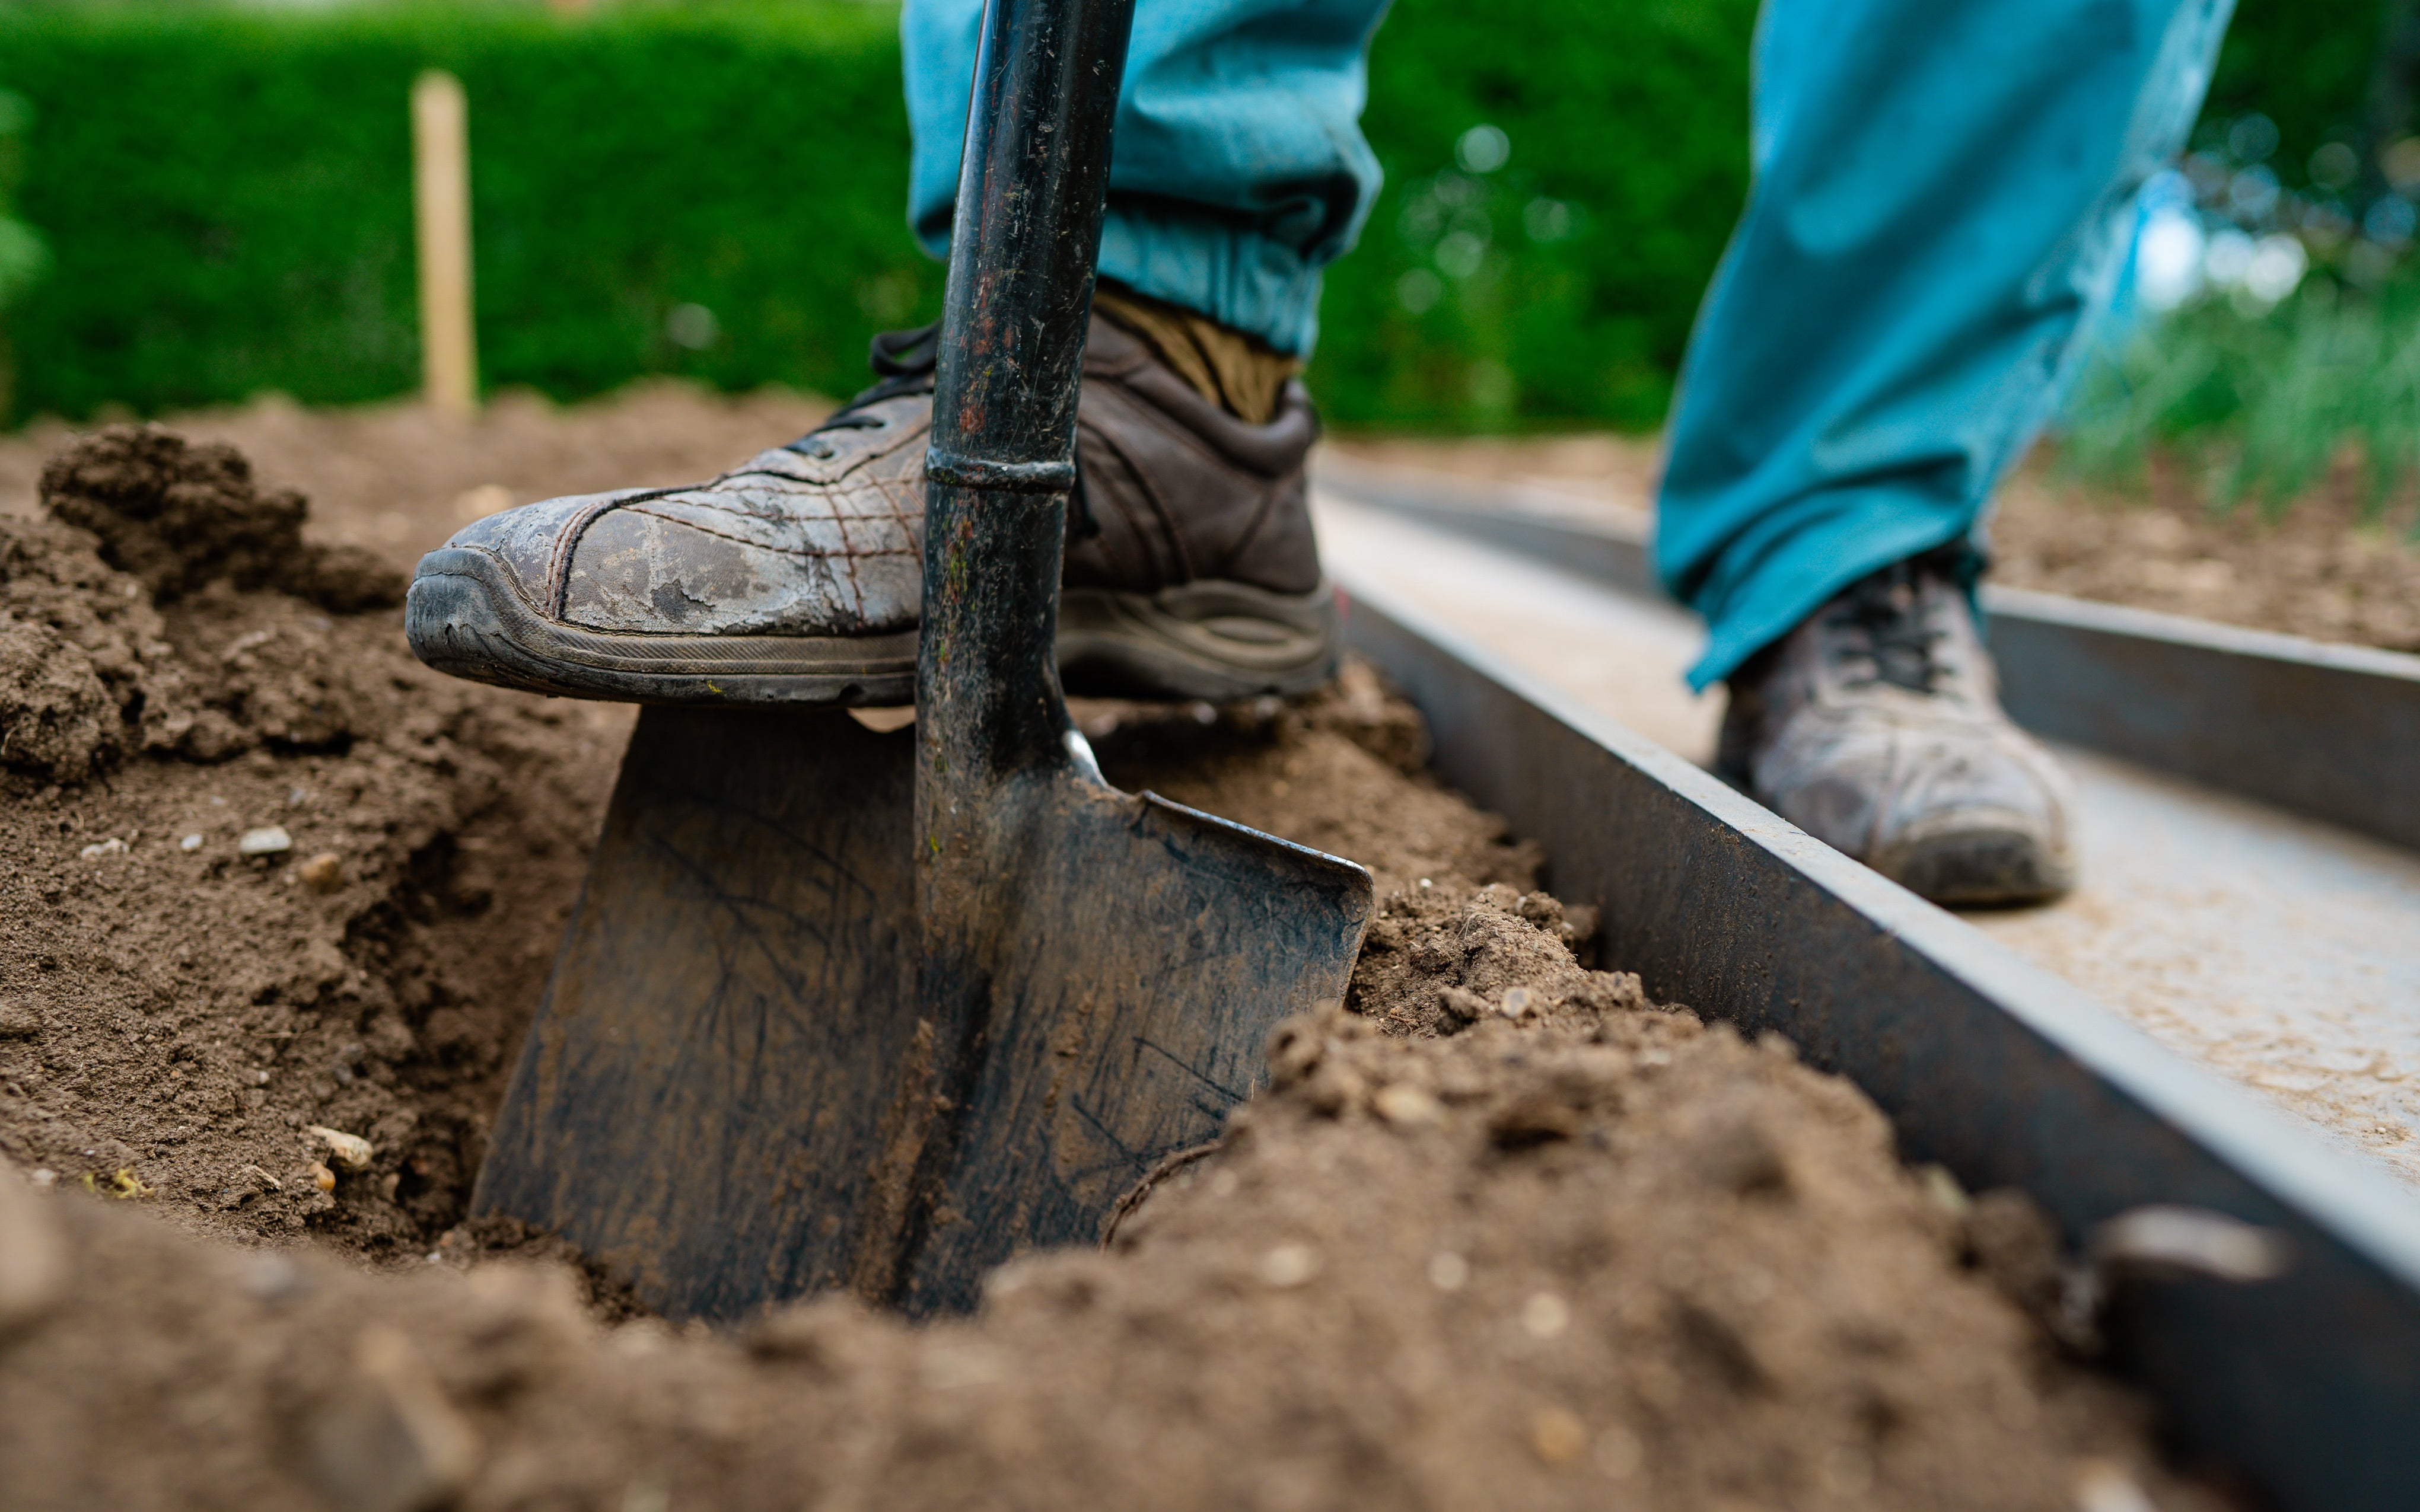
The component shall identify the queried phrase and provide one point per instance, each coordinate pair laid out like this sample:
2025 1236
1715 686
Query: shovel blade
734 1093
1120 964
699 1103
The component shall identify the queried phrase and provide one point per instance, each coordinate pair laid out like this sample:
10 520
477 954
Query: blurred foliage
2306 65
23 256
2304 143
1559 287
227 195
2260 403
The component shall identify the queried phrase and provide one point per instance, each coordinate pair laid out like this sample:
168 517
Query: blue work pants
1940 194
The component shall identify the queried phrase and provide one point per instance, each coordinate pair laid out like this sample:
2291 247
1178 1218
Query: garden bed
1501 1233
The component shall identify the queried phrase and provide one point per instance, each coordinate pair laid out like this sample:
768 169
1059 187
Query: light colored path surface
2283 953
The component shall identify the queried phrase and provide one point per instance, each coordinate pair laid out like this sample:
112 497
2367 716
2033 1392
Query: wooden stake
441 183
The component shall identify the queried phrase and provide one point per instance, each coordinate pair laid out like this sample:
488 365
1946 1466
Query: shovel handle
1028 226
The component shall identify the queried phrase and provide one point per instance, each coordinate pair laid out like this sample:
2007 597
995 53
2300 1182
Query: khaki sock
1240 374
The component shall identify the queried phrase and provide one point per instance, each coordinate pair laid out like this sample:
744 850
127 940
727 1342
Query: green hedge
228 198
226 193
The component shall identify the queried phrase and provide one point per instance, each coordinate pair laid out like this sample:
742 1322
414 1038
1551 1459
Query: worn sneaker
797 578
1876 726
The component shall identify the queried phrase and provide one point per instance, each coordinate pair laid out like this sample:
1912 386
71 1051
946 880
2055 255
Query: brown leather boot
797 578
1876 726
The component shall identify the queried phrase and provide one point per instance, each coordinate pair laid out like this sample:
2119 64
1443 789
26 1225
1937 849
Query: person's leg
1941 199
1238 170
1940 205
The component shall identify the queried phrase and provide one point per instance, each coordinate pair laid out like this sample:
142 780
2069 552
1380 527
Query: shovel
841 1009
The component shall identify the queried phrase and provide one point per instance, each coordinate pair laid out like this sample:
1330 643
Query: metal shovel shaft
992 728
1031 192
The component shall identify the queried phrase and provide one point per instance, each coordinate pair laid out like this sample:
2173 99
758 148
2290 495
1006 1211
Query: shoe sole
1212 641
463 616
1988 867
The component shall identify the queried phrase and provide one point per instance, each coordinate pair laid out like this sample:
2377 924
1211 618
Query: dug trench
1500 1231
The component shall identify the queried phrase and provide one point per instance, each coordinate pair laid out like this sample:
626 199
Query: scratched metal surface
2006 1074
734 1093
2282 952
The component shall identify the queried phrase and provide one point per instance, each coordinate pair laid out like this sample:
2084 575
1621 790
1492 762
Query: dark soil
1502 1233
175 1016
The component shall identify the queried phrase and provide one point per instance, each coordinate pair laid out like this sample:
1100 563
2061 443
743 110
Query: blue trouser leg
1941 198
1238 171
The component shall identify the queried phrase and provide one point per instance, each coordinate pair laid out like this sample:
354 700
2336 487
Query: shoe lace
1889 631
903 362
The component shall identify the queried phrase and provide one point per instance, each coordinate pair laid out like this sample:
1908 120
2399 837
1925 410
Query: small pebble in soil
1558 1435
1448 1271
2102 1486
191 842
1546 1315
1519 1003
1943 1188
112 846
1406 1107
272 1278
323 872
270 841
349 1150
1288 1265
322 1178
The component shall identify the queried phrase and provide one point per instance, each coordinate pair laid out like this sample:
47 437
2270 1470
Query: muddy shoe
797 578
1876 726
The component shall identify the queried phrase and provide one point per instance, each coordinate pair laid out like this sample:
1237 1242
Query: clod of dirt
1439 957
177 515
177 1002
56 720
211 642
82 657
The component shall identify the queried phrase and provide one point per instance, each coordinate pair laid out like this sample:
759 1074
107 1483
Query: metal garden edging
2308 1384
2328 731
